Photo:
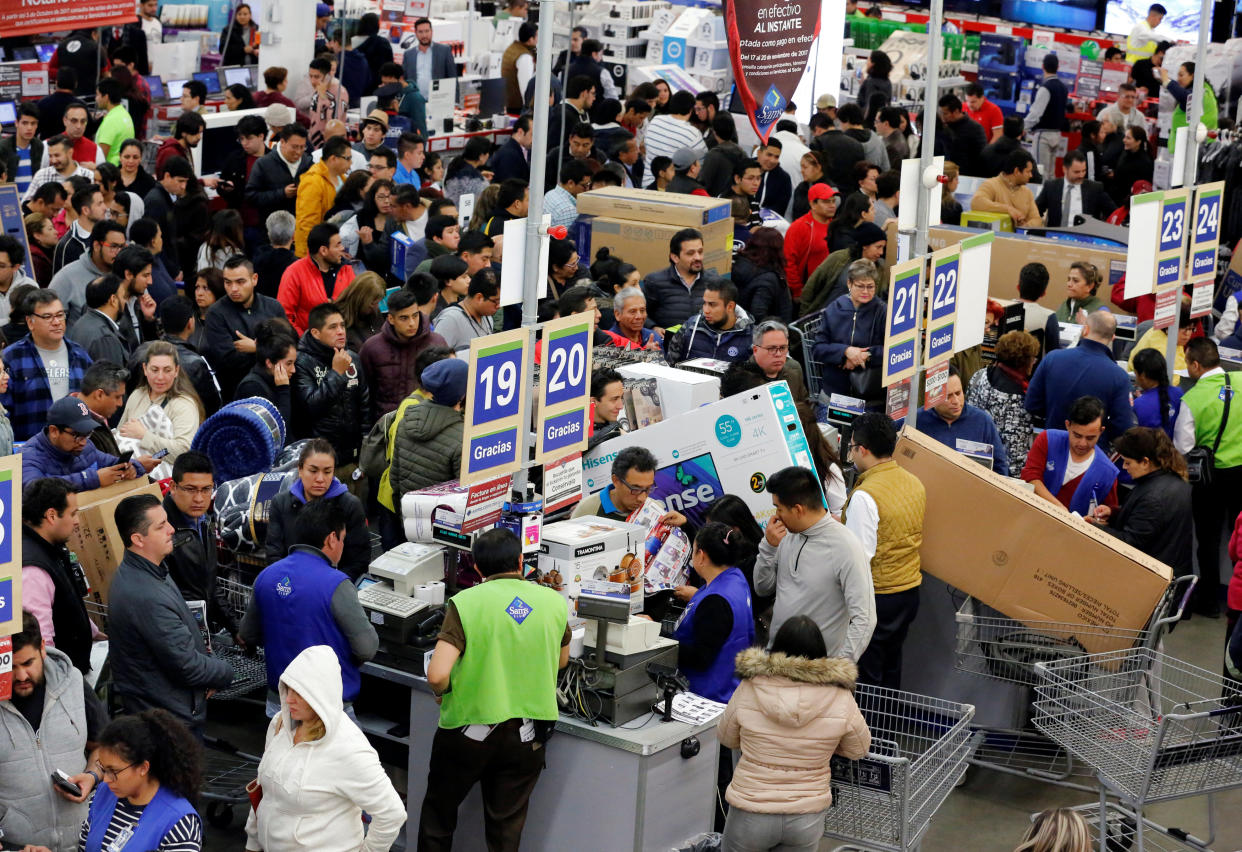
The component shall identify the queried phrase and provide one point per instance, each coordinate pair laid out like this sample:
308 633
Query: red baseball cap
820 191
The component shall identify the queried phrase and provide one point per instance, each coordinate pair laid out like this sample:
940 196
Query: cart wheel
220 814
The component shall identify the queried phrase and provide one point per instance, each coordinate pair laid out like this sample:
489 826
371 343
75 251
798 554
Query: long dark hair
1144 442
848 215
350 197
369 208
732 511
800 637
156 736
1150 364
226 233
766 250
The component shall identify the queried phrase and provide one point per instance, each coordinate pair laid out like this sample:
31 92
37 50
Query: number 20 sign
495 405
565 386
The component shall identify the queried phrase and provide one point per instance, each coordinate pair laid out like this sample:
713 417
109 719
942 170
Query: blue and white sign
565 386
495 405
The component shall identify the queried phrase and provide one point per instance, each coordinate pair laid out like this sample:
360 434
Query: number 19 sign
905 289
495 405
565 389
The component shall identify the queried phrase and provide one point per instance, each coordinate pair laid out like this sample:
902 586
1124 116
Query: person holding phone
63 449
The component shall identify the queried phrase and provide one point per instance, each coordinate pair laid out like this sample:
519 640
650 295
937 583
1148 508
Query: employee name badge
121 839
976 450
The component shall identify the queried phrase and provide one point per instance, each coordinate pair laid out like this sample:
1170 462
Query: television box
729 447
645 244
680 390
1023 555
96 542
662 208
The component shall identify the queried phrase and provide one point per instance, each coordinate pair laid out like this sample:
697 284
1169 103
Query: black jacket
669 301
717 172
509 161
270 264
1095 202
265 190
100 337
1156 519
762 292
8 155
225 317
775 190
327 404
962 141
841 152
162 207
73 626
284 511
194 365
259 382
192 565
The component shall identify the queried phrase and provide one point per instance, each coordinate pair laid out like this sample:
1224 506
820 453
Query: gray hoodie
822 572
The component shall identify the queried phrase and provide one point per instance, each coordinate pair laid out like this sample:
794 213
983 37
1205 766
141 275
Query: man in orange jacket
317 278
317 189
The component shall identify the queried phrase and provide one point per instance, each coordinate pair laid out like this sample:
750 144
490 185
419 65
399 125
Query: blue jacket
1088 369
975 424
509 161
1097 481
845 326
80 470
696 339
294 600
1147 409
719 679
29 396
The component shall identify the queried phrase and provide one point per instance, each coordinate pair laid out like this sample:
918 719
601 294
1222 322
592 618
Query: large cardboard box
592 548
729 447
661 208
1022 555
645 243
680 390
96 542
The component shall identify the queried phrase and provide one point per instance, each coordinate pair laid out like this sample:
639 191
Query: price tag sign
942 307
1205 237
6 668
905 288
1167 299
565 386
562 482
495 405
10 545
897 403
936 385
1201 299
1174 223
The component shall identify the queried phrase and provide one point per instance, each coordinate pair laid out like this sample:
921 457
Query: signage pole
531 273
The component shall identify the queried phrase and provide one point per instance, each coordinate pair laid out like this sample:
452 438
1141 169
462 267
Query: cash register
387 594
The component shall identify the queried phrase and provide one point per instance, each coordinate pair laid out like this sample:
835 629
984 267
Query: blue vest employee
1068 467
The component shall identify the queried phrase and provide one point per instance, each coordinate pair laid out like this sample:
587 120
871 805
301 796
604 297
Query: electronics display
156 85
8 112
24 54
1182 21
174 89
491 96
45 51
236 75
1071 14
210 79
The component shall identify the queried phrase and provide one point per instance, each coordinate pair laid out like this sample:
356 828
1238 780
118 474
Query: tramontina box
591 549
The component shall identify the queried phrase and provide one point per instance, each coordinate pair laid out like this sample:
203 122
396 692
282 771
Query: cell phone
124 457
160 454
61 780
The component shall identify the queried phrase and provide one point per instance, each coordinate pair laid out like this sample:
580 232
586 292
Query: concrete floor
990 811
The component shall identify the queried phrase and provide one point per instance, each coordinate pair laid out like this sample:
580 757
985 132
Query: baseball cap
684 158
71 413
378 116
278 115
388 90
826 102
445 380
323 10
820 191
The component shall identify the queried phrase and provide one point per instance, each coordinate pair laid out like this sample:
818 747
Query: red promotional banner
23 17
773 55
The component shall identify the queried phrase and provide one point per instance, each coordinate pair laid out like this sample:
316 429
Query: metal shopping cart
919 749
226 772
992 646
249 670
807 328
1152 727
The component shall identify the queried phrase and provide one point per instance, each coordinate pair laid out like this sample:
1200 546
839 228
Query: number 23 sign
495 405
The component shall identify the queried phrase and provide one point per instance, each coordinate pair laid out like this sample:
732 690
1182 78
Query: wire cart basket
1152 727
919 749
226 772
249 670
992 646
807 328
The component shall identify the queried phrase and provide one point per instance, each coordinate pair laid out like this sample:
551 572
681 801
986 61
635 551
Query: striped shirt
667 135
24 169
186 835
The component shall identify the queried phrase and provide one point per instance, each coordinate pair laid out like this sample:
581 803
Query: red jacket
806 246
301 288
169 148
1233 597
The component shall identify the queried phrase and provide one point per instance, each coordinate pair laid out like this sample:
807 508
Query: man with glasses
43 366
192 563
633 478
383 164
317 189
69 284
769 351
85 151
471 317
63 449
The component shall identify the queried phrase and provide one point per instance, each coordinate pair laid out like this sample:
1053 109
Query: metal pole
532 274
927 151
1190 153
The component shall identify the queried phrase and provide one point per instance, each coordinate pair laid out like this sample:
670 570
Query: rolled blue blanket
242 438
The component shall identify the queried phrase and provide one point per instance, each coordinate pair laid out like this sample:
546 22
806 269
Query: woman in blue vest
152 768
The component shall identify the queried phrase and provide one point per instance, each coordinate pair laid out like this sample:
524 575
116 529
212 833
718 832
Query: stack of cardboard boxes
96 542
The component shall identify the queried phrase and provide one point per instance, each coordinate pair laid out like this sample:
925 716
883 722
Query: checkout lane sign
564 386
495 405
1204 242
905 288
942 304
1174 224
10 545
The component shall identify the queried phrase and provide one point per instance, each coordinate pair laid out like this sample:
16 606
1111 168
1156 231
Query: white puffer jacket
314 792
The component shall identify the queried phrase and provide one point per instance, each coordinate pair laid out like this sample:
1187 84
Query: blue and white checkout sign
942 304
565 386
1174 223
904 290
496 401
10 546
1204 242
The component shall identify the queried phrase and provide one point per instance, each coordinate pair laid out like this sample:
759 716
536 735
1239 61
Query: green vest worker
494 671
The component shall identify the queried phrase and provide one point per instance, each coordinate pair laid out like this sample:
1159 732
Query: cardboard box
645 244
96 541
592 549
1026 557
729 447
661 208
680 390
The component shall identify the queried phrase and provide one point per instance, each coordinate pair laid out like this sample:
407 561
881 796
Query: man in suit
512 159
427 60
1062 199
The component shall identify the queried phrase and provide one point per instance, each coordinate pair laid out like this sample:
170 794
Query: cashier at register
1067 465
633 477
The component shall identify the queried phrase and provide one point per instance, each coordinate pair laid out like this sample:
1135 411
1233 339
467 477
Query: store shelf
377 726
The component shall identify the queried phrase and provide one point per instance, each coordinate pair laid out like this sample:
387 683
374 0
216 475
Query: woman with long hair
359 306
364 235
208 289
759 273
163 385
827 460
814 170
240 38
134 178
431 173
1158 402
1000 390
876 91
611 275
950 207
791 713
349 198
151 767
484 206
238 97
1059 830
42 239
563 272
854 210
1156 517
662 173
223 241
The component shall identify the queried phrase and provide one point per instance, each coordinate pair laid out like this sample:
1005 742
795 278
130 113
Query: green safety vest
1207 407
513 646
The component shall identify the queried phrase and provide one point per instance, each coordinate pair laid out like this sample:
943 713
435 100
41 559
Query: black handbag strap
1228 387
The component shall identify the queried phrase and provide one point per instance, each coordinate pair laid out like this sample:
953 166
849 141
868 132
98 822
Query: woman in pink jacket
793 710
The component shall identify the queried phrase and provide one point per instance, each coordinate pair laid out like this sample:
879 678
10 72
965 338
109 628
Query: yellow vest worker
1142 40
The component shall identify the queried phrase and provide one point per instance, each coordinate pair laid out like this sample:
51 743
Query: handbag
1200 461
255 791
866 382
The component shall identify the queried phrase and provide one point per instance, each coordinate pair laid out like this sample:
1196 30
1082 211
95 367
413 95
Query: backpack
373 456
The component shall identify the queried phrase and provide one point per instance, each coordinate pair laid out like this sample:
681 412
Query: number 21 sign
904 291
495 405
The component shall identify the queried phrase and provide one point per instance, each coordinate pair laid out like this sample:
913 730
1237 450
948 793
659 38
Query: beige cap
826 102
379 117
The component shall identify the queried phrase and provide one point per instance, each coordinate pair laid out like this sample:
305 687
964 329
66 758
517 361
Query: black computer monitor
156 85
24 54
210 79
235 74
8 112
491 96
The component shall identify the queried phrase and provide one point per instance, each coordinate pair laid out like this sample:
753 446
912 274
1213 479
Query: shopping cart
807 328
249 670
226 772
992 646
919 749
1152 727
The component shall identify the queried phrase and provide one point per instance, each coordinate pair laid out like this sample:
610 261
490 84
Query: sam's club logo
284 586
518 610
772 107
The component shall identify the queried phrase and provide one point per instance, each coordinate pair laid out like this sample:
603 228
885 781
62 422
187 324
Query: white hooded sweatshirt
314 792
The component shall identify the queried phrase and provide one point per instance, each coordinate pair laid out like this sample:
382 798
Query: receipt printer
410 565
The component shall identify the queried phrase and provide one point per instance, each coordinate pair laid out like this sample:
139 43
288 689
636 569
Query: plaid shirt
47 174
561 207
29 395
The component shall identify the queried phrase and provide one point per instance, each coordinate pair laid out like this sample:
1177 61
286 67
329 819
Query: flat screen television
1182 21
1070 14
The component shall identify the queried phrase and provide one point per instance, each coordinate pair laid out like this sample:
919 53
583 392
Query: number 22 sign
942 311
495 405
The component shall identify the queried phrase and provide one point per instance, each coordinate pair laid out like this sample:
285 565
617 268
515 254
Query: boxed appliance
729 447
593 548
645 205
645 243
1023 555
680 390
96 541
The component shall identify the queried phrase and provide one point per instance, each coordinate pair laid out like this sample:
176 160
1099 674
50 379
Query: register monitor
210 79
156 85
234 75
8 113
174 89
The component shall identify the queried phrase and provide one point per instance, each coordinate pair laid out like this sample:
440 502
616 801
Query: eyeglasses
863 288
111 774
205 491
58 316
75 435
775 350
638 489
114 246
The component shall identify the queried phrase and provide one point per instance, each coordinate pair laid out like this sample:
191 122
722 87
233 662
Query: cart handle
1189 580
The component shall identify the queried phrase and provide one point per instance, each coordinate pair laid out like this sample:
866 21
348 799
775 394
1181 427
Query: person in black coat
276 352
1134 164
960 138
161 205
512 159
1094 200
330 396
841 153
1157 517
237 39
192 563
376 49
272 186
758 271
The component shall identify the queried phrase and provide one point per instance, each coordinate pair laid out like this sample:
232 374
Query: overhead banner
782 52
25 17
